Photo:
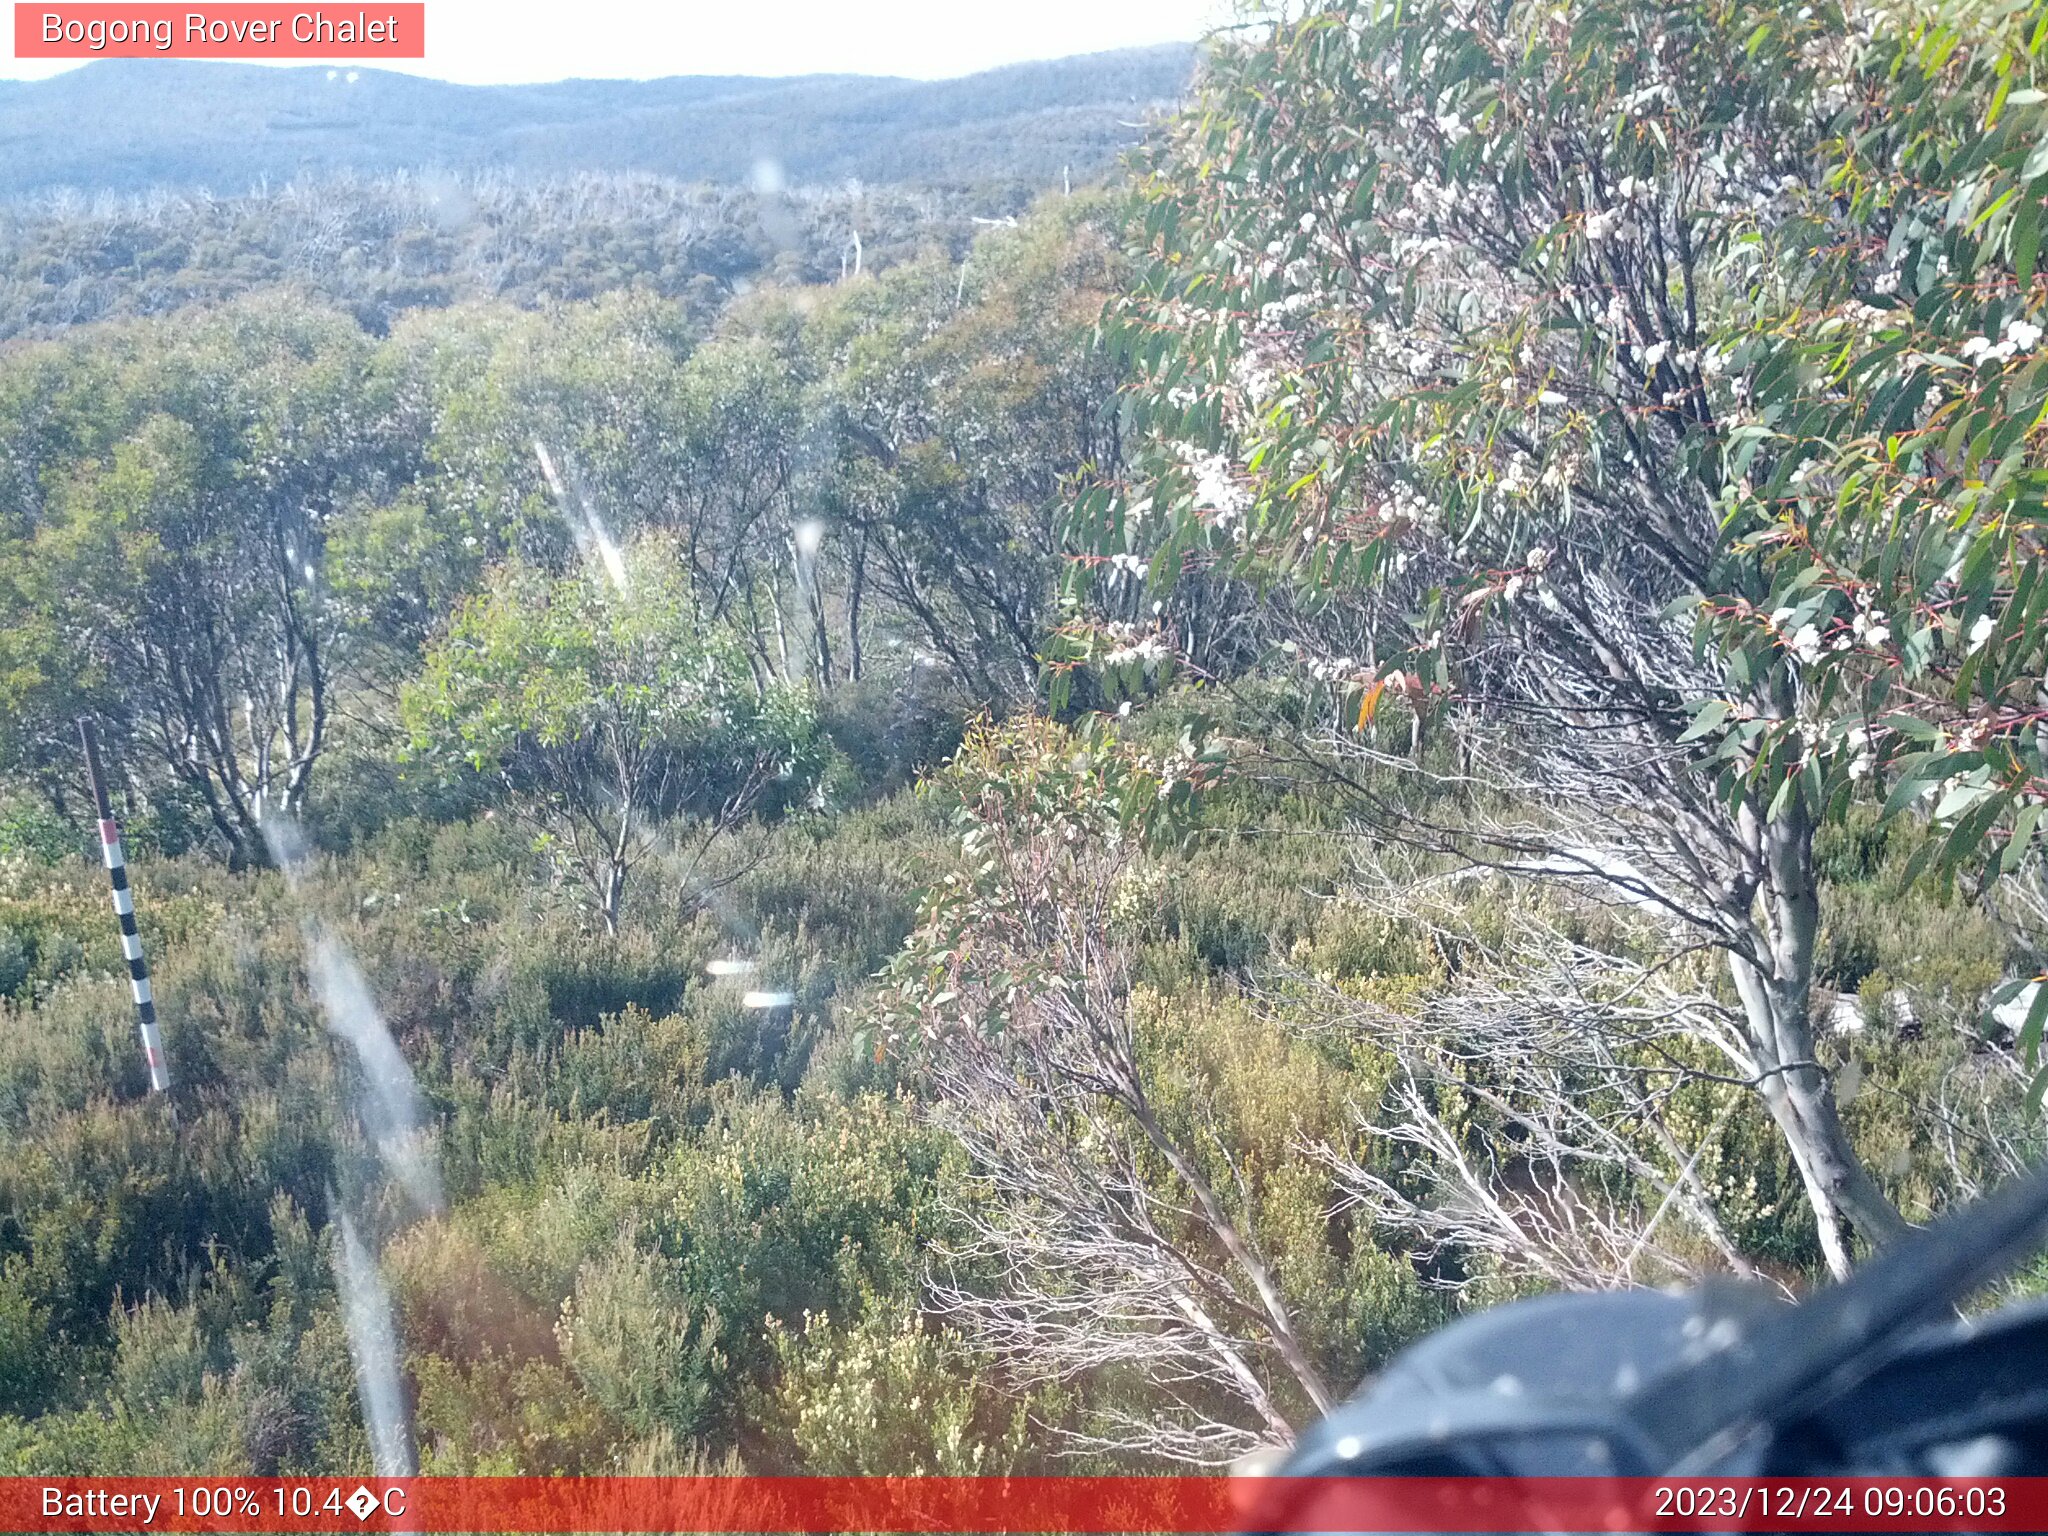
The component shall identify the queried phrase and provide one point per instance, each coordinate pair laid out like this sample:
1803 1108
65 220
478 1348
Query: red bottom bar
1085 1506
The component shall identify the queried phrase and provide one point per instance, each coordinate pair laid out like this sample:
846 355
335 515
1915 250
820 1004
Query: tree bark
1777 1000
855 585
614 889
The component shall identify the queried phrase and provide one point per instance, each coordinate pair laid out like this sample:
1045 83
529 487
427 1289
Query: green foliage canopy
600 703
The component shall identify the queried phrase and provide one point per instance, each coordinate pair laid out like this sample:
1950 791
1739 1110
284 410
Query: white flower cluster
1333 669
1404 507
1303 274
1398 350
1974 735
1256 381
2020 336
1217 490
1558 473
1276 314
1129 644
1121 565
1601 225
1864 758
1530 577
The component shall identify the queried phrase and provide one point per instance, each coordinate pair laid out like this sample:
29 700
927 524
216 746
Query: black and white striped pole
124 911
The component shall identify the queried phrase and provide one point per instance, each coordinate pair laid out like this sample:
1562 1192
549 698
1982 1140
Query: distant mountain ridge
124 125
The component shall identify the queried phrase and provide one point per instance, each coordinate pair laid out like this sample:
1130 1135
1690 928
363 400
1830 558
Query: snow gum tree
1518 348
604 709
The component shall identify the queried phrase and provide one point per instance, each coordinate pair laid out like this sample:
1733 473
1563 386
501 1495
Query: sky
498 42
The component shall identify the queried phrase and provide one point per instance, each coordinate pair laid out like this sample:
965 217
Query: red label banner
1083 1506
227 31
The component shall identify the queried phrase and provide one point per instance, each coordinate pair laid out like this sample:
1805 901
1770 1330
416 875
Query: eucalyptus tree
617 409
743 432
178 486
1436 325
1897 498
610 714
597 383
965 403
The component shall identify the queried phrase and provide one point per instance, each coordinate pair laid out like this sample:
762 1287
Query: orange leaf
1370 702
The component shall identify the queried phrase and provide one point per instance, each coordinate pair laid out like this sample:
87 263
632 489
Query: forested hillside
1032 848
377 248
133 125
137 187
